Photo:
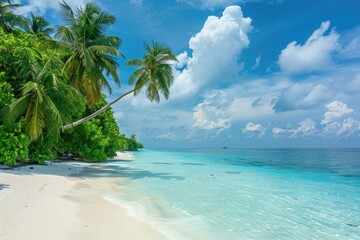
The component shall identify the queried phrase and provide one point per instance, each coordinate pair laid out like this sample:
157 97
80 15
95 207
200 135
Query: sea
255 194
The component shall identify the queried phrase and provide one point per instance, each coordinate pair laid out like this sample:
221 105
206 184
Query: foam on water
245 194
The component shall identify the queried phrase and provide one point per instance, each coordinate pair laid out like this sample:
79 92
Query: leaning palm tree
38 25
92 54
7 18
46 100
154 75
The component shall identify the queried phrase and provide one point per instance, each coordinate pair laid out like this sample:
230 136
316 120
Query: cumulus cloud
211 113
333 120
215 50
278 131
251 129
349 127
41 6
245 101
336 110
306 127
183 60
315 54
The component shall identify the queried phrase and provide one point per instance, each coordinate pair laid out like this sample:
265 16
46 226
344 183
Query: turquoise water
243 193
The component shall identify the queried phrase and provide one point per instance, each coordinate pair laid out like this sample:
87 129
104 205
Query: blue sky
251 73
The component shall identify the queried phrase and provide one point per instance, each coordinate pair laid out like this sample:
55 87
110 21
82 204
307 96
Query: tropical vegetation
52 82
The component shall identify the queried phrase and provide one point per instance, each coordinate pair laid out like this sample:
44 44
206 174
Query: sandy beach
56 202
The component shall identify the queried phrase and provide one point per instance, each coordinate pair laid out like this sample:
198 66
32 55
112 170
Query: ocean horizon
272 193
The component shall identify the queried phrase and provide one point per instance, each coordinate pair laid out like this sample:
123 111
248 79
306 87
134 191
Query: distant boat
224 147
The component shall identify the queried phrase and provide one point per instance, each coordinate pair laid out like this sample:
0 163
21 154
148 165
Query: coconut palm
47 100
37 25
7 18
92 54
154 75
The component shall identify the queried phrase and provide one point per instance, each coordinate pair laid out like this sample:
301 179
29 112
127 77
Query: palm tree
37 25
47 100
154 74
7 18
92 54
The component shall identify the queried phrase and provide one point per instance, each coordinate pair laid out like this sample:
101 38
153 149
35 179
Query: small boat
225 147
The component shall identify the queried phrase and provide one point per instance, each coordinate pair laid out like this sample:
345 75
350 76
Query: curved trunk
91 116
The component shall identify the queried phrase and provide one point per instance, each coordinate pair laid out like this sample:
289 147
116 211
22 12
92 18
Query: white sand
122 155
45 203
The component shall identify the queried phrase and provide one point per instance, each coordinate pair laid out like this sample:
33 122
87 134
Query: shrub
14 144
42 150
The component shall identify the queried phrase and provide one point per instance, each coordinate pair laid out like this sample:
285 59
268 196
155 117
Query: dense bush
14 144
94 140
13 141
6 91
41 150
129 144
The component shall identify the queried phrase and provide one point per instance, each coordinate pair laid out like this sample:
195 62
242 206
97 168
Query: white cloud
278 131
183 60
333 123
336 110
349 127
257 63
251 129
351 43
211 113
167 136
306 127
41 6
215 50
315 54
244 101
304 95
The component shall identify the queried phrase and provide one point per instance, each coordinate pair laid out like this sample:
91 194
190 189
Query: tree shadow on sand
2 186
92 170
124 172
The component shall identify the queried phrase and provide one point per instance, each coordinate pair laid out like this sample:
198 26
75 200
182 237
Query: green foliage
42 150
154 72
86 141
46 99
38 77
90 53
94 140
6 91
13 144
129 144
38 25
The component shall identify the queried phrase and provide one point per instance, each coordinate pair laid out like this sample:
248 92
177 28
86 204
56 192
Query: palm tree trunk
91 116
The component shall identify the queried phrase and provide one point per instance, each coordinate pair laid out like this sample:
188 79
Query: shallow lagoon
244 193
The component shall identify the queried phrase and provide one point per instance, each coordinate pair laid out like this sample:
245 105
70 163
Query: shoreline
58 201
